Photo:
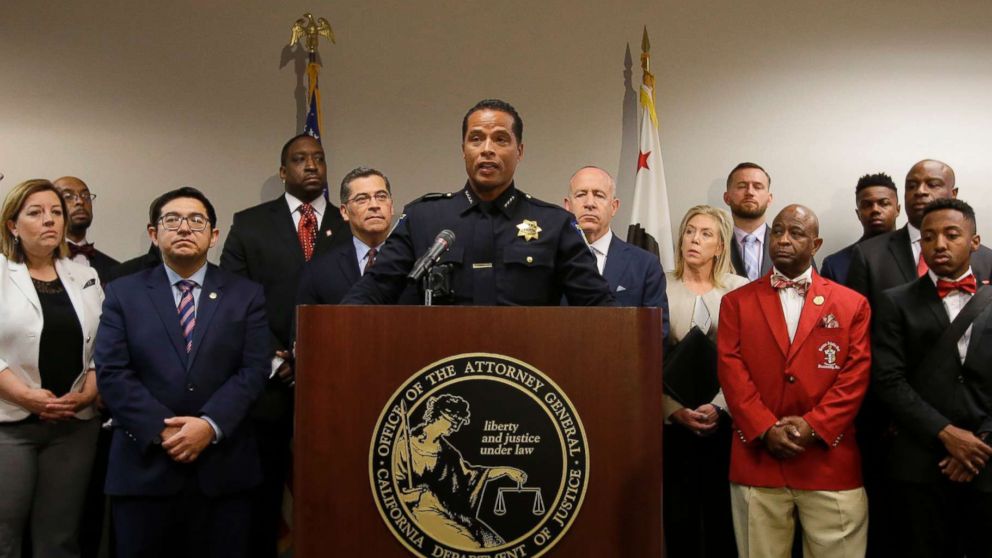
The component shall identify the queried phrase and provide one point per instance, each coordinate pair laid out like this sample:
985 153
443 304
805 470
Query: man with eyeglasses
270 243
79 203
181 355
367 207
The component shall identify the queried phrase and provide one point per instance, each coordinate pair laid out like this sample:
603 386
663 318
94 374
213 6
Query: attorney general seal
479 455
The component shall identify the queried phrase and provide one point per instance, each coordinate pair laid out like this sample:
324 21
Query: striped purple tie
187 311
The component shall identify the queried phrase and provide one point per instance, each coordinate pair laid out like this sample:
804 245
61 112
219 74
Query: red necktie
945 287
370 260
780 282
307 231
921 265
85 249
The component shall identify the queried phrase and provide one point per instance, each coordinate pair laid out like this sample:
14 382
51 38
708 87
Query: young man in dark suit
748 195
635 275
877 207
367 206
939 391
269 244
181 355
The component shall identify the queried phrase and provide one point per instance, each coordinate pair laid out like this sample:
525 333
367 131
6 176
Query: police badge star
528 230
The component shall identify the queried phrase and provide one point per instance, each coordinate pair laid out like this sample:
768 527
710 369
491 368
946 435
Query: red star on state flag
642 160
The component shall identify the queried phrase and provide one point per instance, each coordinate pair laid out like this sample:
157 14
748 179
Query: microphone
442 242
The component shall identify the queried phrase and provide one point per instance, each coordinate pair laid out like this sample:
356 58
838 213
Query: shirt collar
807 275
914 233
934 277
759 233
197 276
504 203
602 245
319 204
70 241
362 249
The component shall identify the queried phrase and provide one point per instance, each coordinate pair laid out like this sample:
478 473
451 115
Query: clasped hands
701 421
968 454
48 407
184 438
788 437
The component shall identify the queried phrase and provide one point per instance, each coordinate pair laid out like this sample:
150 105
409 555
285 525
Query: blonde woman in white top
697 442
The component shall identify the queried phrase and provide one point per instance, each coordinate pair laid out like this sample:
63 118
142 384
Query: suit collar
771 309
820 290
74 288
616 262
348 262
20 276
160 293
211 295
902 252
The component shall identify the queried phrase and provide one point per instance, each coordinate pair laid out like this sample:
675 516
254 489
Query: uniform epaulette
433 196
536 201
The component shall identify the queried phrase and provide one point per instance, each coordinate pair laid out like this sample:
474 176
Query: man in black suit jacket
748 195
270 243
941 403
367 206
877 264
877 207
79 203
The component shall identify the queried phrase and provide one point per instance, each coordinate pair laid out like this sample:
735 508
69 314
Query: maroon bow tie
780 282
945 287
85 249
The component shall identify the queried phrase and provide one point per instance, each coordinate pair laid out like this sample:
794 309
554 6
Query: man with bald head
634 274
878 264
793 390
79 204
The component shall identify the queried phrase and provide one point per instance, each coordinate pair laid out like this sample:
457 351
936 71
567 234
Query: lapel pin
328 232
818 300
213 296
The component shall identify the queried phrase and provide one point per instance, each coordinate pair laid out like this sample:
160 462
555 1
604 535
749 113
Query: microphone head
447 236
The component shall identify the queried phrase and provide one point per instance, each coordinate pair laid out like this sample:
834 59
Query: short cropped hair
360 172
877 179
747 165
954 204
12 206
288 144
501 106
155 211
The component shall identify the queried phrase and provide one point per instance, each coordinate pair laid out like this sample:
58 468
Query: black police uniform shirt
513 251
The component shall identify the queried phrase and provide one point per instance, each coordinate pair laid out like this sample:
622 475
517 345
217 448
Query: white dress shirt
792 303
758 234
362 251
600 249
319 207
953 303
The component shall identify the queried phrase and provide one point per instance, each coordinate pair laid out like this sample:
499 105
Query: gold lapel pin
213 296
818 300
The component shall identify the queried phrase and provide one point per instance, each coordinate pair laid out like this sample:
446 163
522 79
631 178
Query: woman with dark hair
441 489
49 312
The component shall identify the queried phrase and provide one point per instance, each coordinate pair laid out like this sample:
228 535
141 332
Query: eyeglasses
361 200
195 222
72 197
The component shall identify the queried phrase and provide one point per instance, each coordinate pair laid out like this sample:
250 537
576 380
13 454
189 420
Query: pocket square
621 288
89 283
829 322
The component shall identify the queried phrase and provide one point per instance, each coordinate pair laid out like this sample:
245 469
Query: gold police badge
529 230
478 455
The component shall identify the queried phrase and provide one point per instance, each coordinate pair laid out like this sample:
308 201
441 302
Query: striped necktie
751 257
187 311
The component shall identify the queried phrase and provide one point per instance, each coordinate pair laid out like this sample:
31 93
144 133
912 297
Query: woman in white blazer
697 441
49 312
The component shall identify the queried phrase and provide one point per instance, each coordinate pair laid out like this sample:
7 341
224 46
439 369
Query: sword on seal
409 446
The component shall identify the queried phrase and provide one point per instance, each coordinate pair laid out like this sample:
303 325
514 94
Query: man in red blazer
794 364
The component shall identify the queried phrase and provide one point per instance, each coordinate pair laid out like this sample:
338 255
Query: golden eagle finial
308 30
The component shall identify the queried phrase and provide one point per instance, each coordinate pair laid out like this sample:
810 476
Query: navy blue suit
635 277
835 265
329 276
145 376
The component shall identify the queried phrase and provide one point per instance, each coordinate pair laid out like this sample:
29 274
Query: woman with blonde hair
697 440
49 312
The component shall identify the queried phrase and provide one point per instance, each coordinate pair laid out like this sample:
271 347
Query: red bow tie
85 249
780 282
968 285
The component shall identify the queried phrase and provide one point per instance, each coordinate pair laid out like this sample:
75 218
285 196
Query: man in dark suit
269 244
877 264
939 391
634 274
79 203
748 195
367 206
877 207
181 355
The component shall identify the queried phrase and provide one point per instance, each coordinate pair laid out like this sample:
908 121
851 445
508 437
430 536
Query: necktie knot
968 285
186 286
85 249
780 282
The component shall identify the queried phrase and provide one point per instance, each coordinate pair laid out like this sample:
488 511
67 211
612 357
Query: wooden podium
351 360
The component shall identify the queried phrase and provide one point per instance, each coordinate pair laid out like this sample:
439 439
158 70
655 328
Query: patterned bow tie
780 282
85 249
968 285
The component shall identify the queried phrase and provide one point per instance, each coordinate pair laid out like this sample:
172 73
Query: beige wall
140 97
